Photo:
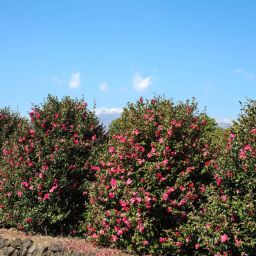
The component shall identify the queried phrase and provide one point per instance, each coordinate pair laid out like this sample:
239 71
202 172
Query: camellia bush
226 223
152 173
46 164
9 122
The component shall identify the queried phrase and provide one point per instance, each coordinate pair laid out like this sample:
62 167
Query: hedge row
164 180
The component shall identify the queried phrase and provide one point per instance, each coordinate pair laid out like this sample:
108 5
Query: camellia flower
19 193
197 246
111 195
253 131
46 196
224 238
163 239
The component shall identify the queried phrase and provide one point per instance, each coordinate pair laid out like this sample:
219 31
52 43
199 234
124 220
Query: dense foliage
165 180
46 164
9 121
226 224
150 175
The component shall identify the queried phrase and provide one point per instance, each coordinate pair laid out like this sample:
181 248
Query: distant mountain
224 125
106 119
106 116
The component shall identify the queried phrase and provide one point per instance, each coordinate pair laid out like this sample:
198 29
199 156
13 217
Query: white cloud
246 75
103 87
141 83
100 111
75 80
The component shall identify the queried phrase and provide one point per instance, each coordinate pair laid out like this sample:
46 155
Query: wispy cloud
75 80
250 77
104 87
57 80
103 110
141 83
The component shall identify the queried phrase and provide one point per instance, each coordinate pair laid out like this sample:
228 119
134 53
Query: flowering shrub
226 223
46 164
8 124
150 175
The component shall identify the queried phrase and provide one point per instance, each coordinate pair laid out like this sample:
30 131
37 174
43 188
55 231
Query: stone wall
26 247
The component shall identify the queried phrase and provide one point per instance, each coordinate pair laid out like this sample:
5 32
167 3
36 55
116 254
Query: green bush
226 223
152 173
46 164
9 121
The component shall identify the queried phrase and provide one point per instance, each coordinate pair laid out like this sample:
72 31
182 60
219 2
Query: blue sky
118 50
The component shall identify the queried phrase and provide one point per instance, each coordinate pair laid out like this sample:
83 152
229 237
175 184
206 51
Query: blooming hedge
226 223
166 180
150 175
46 164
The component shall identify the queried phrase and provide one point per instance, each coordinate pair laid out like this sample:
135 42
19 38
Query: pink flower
224 198
179 244
45 168
197 246
111 195
224 238
40 175
136 132
218 181
111 150
53 188
129 181
32 132
113 183
94 236
165 196
237 242
120 232
25 184
46 196
232 135
95 168
145 242
114 238
253 131
19 193
247 147
242 154
163 239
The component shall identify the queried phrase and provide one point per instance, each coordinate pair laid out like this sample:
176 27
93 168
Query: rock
8 250
2 243
16 243
55 248
16 253
27 243
7 242
23 251
42 250
32 249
